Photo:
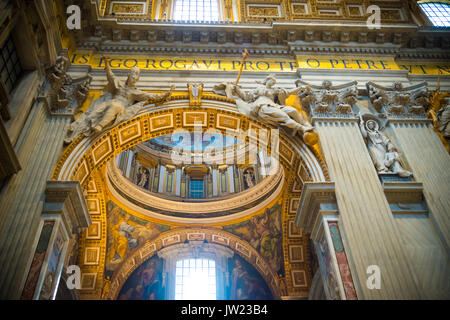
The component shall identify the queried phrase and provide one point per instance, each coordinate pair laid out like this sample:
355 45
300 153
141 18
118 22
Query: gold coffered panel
268 10
282 10
126 8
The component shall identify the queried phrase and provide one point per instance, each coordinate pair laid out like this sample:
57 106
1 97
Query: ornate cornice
199 212
313 196
338 35
66 198
9 163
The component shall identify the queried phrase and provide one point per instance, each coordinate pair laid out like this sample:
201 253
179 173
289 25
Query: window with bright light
196 10
196 189
438 13
195 279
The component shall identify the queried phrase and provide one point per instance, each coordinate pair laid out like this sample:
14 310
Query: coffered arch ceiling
87 160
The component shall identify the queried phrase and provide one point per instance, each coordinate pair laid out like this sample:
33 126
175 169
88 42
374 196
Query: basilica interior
224 150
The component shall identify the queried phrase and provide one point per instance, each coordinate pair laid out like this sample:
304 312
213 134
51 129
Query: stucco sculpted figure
443 117
267 104
326 99
383 153
398 100
120 102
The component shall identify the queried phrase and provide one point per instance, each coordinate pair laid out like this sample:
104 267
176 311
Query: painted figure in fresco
145 283
269 241
118 242
121 101
383 153
267 104
148 232
332 286
246 285
125 235
126 231
263 232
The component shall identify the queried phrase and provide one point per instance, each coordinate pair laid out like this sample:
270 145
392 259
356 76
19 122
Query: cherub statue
120 102
267 104
383 153
59 80
82 91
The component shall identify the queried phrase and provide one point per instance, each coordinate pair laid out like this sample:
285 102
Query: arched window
196 10
437 12
196 271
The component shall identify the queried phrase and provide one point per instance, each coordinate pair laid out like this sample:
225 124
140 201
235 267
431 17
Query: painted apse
147 282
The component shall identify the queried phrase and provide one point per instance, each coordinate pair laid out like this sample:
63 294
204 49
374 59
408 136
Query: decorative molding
314 195
398 101
327 101
405 197
9 163
66 198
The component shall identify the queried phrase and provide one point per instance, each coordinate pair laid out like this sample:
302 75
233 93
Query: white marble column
178 182
162 178
129 163
215 182
230 172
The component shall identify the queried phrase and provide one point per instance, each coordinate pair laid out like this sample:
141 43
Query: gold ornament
311 138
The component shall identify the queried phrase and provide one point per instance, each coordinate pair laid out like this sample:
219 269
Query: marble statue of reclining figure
120 102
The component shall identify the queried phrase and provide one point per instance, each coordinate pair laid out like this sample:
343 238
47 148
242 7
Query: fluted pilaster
22 198
368 229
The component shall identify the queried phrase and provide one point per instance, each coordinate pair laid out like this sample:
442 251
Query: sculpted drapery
266 103
121 101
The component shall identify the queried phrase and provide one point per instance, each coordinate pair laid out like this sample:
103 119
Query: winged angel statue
120 102
266 103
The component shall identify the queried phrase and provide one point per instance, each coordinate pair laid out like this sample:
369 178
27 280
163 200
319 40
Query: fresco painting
146 282
246 282
263 232
125 234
